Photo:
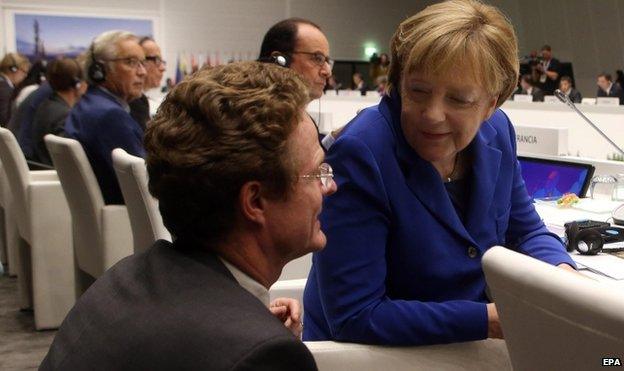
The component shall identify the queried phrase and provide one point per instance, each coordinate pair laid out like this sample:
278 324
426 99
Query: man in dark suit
528 87
606 88
235 164
144 107
67 81
565 85
101 121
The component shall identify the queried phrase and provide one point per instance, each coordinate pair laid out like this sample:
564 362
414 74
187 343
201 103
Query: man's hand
494 326
288 311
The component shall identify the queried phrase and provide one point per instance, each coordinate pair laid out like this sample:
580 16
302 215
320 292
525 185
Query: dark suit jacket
140 110
537 93
168 308
21 123
49 119
400 266
6 100
615 92
575 96
100 124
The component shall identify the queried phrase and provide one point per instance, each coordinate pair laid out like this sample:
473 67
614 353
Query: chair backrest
18 175
553 319
145 219
84 198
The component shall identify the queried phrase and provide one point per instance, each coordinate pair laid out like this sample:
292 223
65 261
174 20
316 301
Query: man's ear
251 203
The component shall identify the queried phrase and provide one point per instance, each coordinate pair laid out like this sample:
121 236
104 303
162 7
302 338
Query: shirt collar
123 103
7 79
252 286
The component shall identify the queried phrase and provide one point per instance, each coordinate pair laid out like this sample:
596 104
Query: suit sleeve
351 270
5 106
526 230
283 353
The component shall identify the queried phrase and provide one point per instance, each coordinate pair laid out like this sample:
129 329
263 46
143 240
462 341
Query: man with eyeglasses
299 44
240 187
144 107
101 121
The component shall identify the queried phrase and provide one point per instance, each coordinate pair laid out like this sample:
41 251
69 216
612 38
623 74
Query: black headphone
590 241
97 70
279 58
14 67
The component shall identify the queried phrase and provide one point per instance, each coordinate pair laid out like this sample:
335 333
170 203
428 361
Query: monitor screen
551 179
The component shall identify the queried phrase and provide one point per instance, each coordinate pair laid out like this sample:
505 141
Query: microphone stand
566 100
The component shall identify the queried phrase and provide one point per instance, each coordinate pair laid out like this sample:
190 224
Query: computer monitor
551 179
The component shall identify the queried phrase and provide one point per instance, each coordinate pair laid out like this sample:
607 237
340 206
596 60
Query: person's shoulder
371 126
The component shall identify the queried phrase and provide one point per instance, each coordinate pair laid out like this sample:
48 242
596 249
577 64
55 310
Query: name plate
551 99
523 98
542 140
607 101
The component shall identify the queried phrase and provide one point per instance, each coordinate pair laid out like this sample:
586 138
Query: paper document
606 264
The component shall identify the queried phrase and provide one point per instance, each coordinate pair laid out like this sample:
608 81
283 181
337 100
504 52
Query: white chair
9 234
45 265
145 219
482 355
553 319
102 233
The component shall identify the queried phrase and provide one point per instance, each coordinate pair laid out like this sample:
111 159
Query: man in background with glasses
144 107
101 121
299 44
240 187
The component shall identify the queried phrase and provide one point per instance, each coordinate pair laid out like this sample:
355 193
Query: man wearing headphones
67 81
13 69
101 121
299 44
144 107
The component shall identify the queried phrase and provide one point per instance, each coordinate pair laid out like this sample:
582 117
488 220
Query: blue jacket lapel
420 175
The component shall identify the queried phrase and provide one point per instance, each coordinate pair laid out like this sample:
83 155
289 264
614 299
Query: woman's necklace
452 175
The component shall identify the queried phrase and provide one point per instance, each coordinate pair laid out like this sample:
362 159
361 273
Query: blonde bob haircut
465 33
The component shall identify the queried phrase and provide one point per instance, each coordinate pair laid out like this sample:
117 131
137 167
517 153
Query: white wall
588 33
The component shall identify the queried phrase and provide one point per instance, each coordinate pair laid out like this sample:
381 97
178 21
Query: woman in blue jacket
428 180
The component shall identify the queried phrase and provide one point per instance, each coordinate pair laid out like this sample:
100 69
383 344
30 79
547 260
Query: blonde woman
428 180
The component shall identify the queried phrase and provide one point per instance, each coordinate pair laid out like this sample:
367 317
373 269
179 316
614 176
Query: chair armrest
288 289
490 354
43 175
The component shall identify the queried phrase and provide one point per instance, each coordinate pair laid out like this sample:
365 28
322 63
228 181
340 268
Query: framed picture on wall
49 35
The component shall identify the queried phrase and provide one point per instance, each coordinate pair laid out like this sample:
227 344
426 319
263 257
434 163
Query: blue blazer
101 124
400 267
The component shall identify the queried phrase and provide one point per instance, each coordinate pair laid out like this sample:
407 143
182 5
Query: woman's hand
288 311
494 326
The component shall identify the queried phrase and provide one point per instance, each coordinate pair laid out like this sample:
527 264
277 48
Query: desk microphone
566 100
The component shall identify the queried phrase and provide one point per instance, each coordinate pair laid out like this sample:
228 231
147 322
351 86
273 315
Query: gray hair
104 48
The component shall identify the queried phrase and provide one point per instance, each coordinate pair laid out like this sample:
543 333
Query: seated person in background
67 81
144 107
36 75
13 70
606 88
527 87
565 85
237 217
332 84
22 118
359 84
428 180
101 121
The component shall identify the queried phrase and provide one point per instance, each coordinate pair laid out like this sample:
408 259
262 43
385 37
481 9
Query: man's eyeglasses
325 174
318 58
132 62
156 60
